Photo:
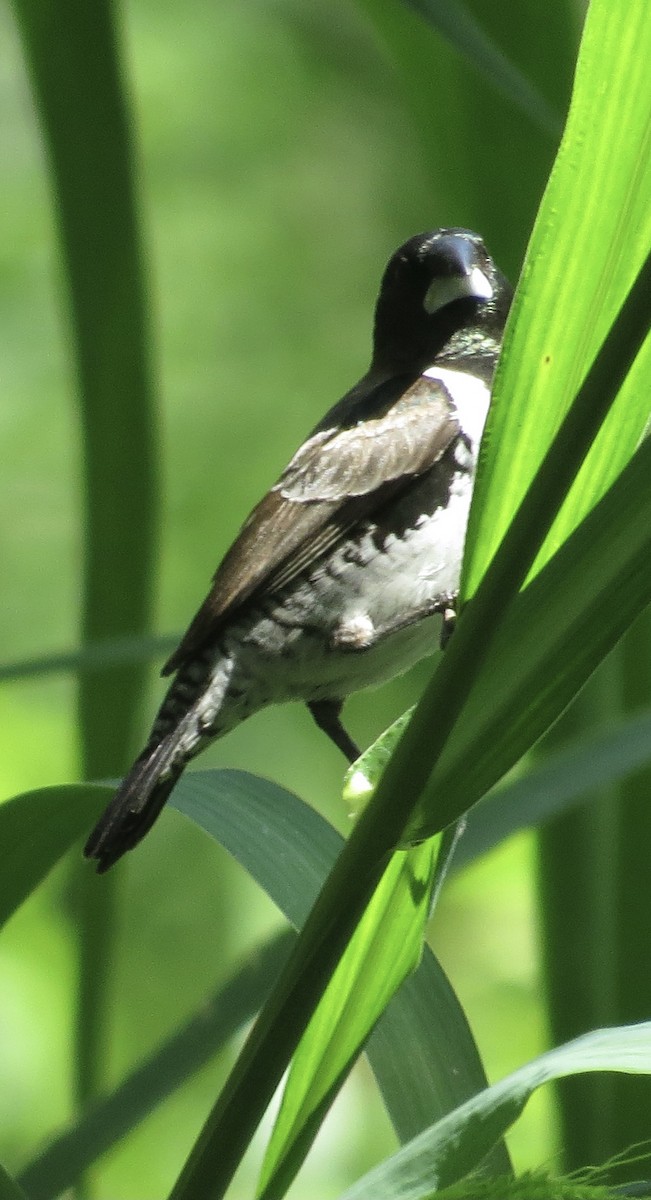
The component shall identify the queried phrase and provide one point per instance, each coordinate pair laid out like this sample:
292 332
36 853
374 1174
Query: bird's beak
478 284
467 281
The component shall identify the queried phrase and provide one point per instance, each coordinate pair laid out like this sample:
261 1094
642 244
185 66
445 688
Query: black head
441 297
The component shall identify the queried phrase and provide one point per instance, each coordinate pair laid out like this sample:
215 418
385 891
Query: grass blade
591 236
456 23
385 948
289 849
560 781
457 1144
73 55
107 654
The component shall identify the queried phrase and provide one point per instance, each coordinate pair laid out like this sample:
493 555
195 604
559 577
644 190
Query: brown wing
336 479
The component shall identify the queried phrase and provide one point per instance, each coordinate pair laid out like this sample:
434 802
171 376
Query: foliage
556 570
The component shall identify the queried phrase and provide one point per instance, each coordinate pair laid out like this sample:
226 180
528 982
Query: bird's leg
326 713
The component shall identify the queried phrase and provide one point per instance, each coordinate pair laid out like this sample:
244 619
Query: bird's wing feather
335 480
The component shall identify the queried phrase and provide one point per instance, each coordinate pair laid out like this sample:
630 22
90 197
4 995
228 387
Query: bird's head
441 296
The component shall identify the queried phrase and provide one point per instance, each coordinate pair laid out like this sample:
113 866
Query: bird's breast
355 617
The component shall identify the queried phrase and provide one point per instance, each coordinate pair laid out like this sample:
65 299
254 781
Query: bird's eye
446 288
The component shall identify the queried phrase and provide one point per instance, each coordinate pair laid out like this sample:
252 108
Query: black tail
136 804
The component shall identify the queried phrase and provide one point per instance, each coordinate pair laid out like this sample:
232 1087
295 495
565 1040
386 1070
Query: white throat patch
469 395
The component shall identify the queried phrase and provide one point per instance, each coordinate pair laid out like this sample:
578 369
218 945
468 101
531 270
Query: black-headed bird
347 571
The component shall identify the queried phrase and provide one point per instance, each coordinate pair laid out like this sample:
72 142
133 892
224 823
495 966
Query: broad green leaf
423 1054
289 850
591 236
285 845
385 948
36 829
457 1145
60 1164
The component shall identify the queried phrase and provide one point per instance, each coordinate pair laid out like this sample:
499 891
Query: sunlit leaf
386 946
289 849
591 236
552 638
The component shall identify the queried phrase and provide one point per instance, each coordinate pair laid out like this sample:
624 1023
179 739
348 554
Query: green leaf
363 775
289 850
73 56
9 1189
72 51
553 637
458 1144
555 784
456 23
590 239
36 830
423 1054
407 40
285 845
110 652
385 948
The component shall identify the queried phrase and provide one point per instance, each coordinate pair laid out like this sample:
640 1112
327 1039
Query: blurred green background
281 158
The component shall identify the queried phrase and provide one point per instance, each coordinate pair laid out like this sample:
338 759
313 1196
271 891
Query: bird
347 571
